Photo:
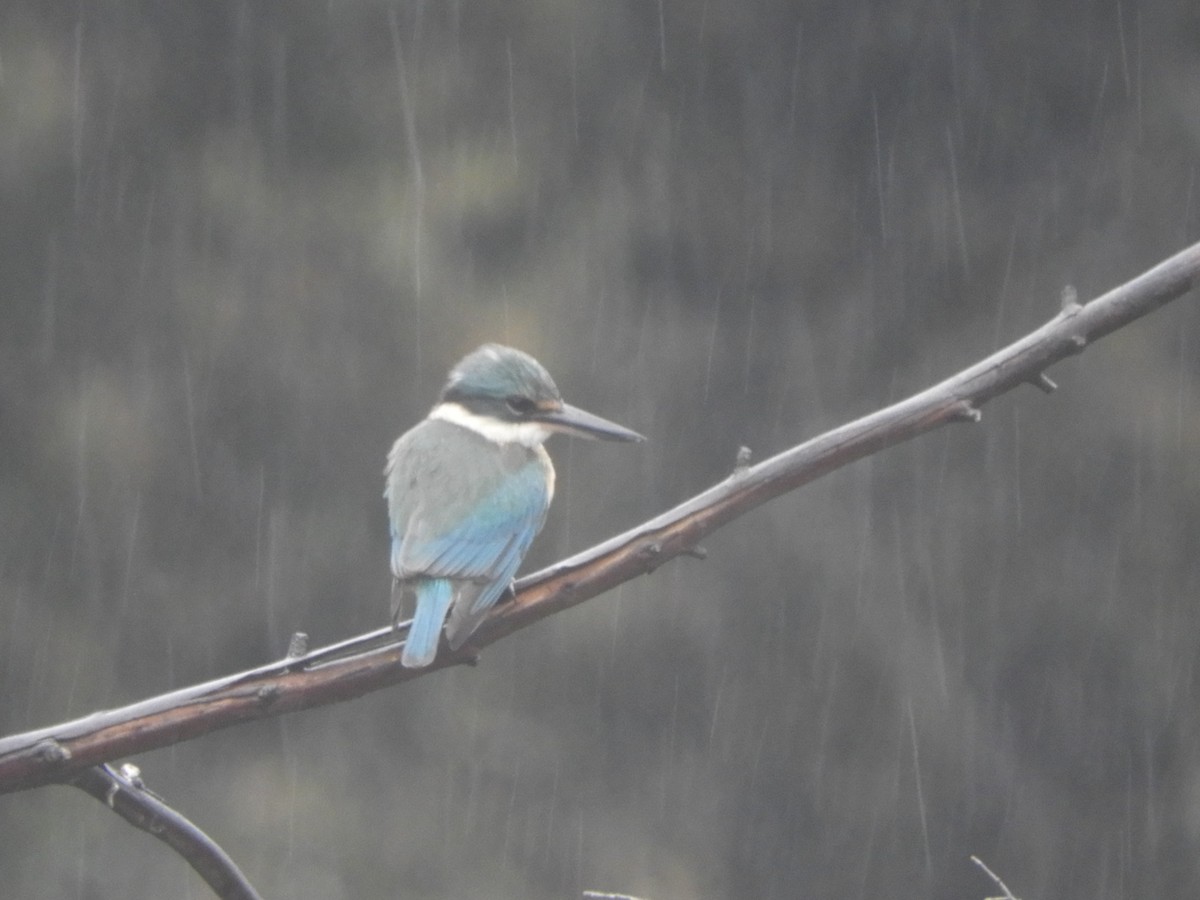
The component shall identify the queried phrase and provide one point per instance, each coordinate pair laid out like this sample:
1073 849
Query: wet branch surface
124 793
371 662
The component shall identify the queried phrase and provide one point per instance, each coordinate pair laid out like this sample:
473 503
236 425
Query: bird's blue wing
486 546
463 511
463 508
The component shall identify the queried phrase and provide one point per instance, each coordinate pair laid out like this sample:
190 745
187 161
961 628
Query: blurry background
241 244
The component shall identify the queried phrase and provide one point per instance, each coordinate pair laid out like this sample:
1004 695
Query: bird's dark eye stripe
519 404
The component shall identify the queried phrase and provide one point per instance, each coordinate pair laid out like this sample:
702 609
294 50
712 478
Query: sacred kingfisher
468 489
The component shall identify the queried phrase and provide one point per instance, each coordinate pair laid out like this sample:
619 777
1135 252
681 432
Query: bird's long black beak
573 420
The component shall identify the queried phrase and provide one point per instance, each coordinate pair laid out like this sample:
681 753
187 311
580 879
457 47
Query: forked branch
123 793
372 661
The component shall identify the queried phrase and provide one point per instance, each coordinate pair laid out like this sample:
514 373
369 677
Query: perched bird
468 489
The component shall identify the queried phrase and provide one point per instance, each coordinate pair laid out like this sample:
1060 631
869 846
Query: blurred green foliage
241 243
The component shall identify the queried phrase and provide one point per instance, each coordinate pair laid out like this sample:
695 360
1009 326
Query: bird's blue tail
433 602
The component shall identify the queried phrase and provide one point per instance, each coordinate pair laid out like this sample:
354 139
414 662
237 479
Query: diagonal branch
372 661
124 793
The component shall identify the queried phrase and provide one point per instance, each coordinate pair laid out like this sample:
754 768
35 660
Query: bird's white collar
528 434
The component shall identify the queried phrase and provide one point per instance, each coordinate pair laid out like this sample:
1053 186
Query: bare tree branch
1008 895
361 664
124 793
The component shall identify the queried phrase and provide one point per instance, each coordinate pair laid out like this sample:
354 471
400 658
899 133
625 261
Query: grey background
240 245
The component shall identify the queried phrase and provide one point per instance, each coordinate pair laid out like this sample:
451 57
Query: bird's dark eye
522 406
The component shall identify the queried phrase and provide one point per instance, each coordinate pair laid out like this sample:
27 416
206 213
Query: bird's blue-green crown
501 378
508 397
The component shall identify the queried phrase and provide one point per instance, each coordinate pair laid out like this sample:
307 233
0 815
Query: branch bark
372 661
125 795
